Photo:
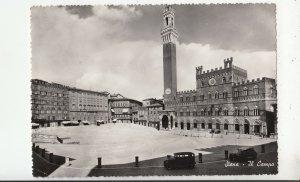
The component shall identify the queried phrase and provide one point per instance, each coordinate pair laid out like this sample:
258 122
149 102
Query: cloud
258 63
116 13
96 53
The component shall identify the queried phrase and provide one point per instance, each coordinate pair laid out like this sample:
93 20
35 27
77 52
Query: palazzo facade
224 98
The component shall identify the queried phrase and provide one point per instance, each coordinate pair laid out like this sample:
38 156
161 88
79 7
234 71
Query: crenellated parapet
253 81
228 62
199 70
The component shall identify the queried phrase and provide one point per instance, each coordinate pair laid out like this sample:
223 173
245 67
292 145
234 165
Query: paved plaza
118 144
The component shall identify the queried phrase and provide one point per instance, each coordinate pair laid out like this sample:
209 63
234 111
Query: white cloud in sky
258 64
92 53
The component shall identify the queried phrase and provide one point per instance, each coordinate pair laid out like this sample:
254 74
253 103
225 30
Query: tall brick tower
169 37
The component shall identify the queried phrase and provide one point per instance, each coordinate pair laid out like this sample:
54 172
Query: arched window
209 95
245 91
256 111
217 95
181 113
202 97
188 113
246 111
235 92
209 112
225 112
187 98
225 94
202 112
181 99
255 90
236 111
217 111
223 80
194 98
194 113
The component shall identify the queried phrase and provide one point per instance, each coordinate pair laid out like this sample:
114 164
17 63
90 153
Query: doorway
165 121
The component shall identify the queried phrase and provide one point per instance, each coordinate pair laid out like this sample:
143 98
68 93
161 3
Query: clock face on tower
167 91
212 81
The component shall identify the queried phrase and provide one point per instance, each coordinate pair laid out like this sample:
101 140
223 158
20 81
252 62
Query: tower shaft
169 37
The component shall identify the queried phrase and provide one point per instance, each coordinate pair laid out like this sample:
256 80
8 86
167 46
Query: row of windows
218 112
85 113
224 95
87 107
209 126
119 104
122 116
55 103
245 91
49 112
217 95
53 94
80 105
35 107
153 112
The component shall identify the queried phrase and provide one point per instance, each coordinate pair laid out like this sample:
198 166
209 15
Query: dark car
243 155
212 131
180 160
217 131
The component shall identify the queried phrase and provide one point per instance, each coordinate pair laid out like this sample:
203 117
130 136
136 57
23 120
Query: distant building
49 103
224 98
152 107
53 103
122 109
86 105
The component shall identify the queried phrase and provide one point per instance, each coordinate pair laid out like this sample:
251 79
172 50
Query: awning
112 110
74 122
115 119
66 122
34 124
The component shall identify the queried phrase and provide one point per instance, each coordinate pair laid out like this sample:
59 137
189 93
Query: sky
119 49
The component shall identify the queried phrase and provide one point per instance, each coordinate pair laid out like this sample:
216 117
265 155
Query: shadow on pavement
42 167
213 164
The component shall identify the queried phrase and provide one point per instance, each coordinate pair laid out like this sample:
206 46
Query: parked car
85 122
212 131
180 160
100 122
217 131
243 155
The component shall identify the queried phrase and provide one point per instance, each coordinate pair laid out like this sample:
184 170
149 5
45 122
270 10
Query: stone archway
246 127
181 125
188 126
165 122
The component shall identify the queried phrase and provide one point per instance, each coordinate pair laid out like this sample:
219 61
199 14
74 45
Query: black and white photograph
154 90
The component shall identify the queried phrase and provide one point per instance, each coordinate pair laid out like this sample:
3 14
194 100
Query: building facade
49 103
52 103
122 109
86 105
153 107
224 98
